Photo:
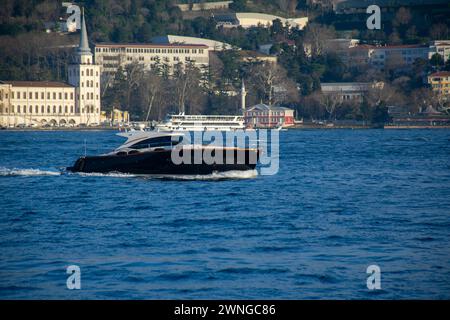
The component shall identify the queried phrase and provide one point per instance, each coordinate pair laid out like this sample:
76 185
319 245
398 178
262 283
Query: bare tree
133 73
186 80
316 36
421 98
330 101
153 87
381 93
270 78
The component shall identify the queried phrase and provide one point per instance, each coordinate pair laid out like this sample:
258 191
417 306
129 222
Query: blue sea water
341 201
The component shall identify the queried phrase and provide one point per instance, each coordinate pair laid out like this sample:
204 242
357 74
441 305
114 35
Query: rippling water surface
342 200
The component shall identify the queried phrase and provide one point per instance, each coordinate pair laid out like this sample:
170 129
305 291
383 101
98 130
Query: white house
213 45
251 19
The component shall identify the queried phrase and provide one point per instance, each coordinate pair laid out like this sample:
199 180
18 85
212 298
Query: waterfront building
112 56
441 47
115 117
250 19
264 116
440 83
37 103
213 45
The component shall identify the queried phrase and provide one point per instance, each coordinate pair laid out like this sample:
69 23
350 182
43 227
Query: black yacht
151 152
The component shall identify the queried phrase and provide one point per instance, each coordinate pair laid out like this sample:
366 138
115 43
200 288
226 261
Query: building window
54 109
30 95
36 109
60 109
65 109
42 109
65 95
48 109
54 95
42 96
71 109
60 96
36 95
18 95
71 95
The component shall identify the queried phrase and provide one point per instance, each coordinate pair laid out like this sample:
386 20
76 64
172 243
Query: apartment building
441 47
440 83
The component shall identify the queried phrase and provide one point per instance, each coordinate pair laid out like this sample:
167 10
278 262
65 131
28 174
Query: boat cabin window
156 142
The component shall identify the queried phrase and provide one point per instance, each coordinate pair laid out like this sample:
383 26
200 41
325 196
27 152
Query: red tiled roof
440 74
149 45
40 84
402 46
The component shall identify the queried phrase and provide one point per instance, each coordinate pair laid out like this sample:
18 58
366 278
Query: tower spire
243 95
83 48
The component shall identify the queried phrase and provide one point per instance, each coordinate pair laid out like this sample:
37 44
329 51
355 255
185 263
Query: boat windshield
165 141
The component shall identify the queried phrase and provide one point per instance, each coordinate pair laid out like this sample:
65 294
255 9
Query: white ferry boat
182 122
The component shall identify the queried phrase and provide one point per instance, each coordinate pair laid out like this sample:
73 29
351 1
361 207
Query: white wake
226 175
27 172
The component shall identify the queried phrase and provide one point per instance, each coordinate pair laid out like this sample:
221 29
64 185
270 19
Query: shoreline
300 127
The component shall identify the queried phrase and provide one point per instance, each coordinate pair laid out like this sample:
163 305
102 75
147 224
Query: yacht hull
160 162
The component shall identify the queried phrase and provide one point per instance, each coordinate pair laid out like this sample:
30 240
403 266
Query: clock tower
84 75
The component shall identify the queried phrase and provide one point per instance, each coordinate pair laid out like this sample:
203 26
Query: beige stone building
111 56
39 103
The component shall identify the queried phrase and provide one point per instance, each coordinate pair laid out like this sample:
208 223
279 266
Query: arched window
60 109
24 109
36 109
42 109
54 109
65 109
48 109
92 84
71 109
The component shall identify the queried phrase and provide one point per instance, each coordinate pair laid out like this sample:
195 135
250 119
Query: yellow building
116 116
440 83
